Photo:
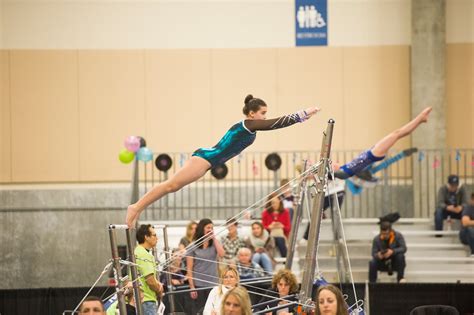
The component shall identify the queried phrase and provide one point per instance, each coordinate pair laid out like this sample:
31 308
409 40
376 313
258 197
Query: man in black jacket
451 201
388 253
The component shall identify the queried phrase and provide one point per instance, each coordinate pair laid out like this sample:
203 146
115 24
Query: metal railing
408 186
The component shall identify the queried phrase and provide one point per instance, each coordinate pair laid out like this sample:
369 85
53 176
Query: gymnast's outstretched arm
280 122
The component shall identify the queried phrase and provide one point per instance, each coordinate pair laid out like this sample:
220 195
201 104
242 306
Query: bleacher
429 258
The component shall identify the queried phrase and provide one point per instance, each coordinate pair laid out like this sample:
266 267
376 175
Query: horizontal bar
124 226
185 287
65 208
276 308
276 298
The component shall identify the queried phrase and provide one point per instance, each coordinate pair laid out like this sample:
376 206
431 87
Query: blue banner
311 18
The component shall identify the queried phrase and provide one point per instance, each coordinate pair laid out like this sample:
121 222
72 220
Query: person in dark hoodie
452 200
388 253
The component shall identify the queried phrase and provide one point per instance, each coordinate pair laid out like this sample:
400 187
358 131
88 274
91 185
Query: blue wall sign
311 18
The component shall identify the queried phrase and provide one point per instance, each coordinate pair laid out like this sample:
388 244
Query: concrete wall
46 244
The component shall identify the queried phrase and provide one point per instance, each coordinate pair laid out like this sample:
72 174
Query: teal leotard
243 134
235 140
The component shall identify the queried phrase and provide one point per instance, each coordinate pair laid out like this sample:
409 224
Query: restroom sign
311 20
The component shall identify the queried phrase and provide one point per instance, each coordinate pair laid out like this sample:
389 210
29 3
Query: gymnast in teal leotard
243 134
236 139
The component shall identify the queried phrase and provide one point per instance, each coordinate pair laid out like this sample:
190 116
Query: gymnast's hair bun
252 104
248 98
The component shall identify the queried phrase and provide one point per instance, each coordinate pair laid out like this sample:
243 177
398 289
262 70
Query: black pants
398 265
442 214
197 305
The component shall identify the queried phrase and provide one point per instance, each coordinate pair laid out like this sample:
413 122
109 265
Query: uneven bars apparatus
315 226
133 267
297 217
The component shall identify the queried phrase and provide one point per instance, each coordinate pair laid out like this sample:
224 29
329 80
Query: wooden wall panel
310 77
234 74
460 95
44 110
5 121
376 94
70 111
178 106
112 107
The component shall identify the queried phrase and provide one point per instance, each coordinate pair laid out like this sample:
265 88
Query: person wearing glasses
152 288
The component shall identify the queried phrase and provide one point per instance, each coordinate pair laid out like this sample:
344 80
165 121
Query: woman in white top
229 279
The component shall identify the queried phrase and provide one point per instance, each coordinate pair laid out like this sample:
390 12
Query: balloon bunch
135 146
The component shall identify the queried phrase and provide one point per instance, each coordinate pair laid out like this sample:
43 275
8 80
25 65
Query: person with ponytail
237 138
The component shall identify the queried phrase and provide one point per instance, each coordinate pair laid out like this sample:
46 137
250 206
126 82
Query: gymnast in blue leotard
236 139
380 149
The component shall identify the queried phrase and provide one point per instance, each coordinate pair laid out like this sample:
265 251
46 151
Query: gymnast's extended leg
381 148
192 170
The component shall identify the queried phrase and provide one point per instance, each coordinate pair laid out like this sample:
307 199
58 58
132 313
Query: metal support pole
276 184
367 298
341 255
297 217
134 271
117 267
335 244
135 188
168 276
386 206
315 226
167 200
135 185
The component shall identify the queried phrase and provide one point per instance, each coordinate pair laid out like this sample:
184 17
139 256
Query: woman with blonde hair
330 301
236 302
229 279
188 238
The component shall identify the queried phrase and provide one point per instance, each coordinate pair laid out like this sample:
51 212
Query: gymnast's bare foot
132 216
424 114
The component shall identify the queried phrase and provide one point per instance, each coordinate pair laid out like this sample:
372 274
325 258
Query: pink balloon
132 143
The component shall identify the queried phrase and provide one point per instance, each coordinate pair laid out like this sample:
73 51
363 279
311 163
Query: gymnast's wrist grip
302 115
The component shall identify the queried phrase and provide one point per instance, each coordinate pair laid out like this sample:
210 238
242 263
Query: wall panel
310 77
236 73
460 21
376 94
460 95
44 111
70 111
178 103
5 121
112 107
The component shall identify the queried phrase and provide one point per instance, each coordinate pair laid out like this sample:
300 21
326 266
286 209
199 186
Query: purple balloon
132 143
